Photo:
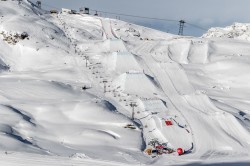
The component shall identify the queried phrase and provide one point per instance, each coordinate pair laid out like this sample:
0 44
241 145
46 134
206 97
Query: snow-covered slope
85 90
236 31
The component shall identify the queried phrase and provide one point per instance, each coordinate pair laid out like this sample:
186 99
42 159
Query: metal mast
182 22
39 4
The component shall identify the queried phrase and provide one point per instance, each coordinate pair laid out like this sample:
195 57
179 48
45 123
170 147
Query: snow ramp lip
108 133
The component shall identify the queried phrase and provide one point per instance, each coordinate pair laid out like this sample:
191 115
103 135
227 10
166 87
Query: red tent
168 122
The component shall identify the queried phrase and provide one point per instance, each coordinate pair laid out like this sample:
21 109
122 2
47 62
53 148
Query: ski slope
67 92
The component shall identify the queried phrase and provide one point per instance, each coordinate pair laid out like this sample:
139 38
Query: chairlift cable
129 15
136 16
152 18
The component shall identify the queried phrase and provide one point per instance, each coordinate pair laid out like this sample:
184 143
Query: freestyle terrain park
77 89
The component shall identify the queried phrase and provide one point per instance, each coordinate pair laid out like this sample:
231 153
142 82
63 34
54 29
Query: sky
202 13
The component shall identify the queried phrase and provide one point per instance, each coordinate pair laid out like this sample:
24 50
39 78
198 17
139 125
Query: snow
236 31
67 91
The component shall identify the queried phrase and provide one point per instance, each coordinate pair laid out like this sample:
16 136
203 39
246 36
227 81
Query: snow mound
121 62
135 83
180 48
116 45
236 31
154 104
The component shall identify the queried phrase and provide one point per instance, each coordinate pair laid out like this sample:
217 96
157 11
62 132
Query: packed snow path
106 24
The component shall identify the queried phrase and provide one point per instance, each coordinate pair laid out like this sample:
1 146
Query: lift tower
39 4
182 22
